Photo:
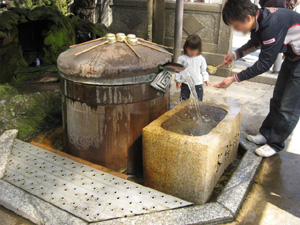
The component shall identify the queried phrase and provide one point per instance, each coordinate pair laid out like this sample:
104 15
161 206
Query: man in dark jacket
275 4
273 31
288 4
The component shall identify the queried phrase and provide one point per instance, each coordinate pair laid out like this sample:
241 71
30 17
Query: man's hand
207 83
225 83
178 85
228 59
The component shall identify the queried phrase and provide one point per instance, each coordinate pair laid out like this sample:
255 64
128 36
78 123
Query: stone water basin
185 158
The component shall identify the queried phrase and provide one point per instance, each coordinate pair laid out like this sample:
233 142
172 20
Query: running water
196 120
185 122
194 97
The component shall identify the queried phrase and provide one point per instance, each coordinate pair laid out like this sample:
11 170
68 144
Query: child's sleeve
203 69
178 77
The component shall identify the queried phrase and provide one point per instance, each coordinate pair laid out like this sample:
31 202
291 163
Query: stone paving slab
6 144
33 208
88 193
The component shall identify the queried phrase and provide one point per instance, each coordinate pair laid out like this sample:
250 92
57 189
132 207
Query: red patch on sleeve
270 41
272 10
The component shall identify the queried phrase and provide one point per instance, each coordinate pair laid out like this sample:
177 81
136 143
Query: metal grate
84 191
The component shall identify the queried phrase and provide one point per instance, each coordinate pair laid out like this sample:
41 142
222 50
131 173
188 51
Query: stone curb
240 182
6 144
212 213
33 208
224 210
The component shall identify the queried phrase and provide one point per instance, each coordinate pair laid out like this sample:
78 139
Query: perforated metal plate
84 191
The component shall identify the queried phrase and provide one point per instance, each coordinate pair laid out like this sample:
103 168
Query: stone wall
199 18
129 17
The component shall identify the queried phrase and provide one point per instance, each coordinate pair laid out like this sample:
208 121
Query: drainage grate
84 191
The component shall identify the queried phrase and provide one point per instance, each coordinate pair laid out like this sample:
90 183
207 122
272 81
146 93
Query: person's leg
289 111
185 92
199 90
275 102
278 63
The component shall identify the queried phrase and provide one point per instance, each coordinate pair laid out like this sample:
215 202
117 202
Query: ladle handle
220 65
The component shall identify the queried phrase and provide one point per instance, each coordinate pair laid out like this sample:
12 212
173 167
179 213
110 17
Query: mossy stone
58 39
29 114
12 56
59 34
8 20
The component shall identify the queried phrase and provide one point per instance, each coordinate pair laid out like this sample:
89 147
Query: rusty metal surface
110 135
111 61
101 95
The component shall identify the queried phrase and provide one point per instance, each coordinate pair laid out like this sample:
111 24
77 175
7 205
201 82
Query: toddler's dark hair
238 10
193 42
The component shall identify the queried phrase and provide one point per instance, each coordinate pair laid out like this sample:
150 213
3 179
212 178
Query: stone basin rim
230 112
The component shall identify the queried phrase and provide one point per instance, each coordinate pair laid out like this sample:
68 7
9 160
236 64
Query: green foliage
60 5
87 26
8 20
45 13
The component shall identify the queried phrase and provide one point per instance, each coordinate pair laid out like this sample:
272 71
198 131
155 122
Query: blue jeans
284 106
185 92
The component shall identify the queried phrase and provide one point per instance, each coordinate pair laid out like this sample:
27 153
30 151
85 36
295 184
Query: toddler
196 65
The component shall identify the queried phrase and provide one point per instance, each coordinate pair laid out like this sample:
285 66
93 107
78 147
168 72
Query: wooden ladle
212 69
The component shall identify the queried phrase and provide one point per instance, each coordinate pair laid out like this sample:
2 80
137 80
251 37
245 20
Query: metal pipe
178 29
150 19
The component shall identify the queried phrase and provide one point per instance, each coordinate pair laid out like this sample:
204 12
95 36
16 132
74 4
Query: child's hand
178 85
207 83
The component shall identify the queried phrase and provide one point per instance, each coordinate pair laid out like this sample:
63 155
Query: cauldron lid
110 62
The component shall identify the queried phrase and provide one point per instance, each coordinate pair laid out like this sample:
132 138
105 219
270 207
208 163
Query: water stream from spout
195 121
194 97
